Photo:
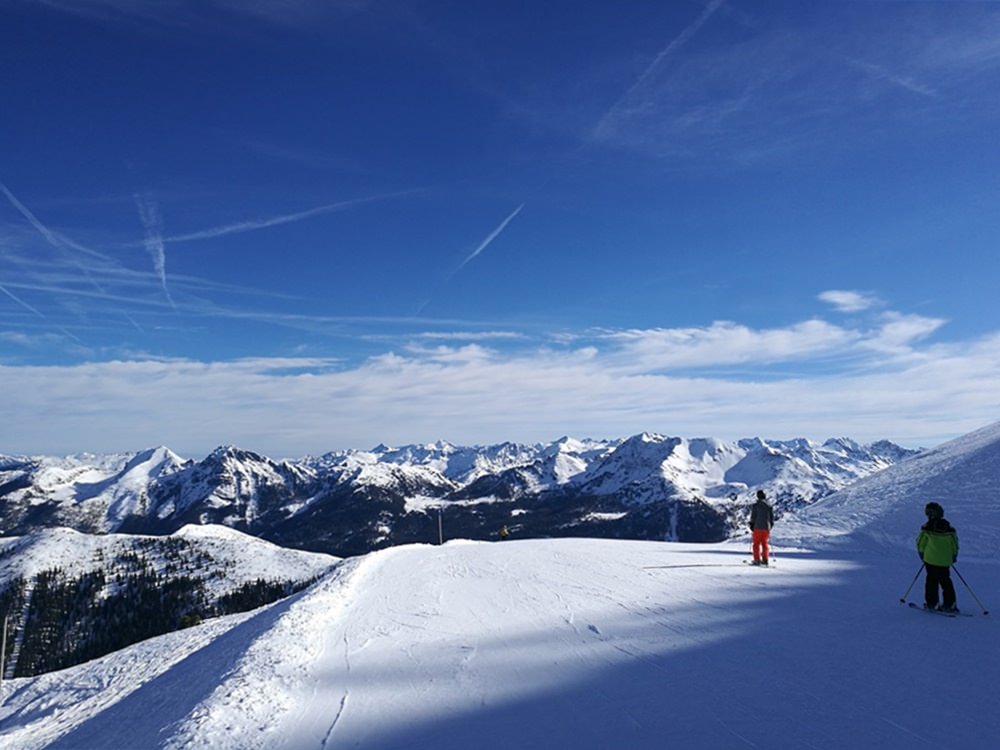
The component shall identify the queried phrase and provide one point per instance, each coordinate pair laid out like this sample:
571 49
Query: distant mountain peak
374 497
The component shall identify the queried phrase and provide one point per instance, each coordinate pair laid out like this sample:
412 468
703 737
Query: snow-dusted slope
235 558
887 508
97 492
69 597
230 486
540 644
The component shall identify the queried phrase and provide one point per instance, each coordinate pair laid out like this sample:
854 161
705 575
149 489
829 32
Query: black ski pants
938 576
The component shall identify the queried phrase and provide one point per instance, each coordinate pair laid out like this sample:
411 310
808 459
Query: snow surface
583 643
883 509
547 643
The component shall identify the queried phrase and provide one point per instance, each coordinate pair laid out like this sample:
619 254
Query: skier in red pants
761 521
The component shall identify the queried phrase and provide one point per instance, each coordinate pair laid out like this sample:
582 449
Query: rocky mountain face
647 486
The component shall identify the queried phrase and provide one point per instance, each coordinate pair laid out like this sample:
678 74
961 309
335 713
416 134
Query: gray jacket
761 516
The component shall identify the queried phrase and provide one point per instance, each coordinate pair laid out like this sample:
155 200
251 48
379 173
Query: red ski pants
760 547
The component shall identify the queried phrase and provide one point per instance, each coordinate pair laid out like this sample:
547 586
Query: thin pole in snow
3 656
985 611
902 599
440 528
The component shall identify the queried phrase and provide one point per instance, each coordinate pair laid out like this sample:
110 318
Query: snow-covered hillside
580 643
235 558
885 509
69 597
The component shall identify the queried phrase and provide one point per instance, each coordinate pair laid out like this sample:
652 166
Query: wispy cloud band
620 108
720 380
760 89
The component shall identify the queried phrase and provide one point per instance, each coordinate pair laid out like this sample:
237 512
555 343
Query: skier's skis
758 565
921 608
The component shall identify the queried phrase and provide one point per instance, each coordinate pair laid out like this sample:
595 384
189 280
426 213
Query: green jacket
938 543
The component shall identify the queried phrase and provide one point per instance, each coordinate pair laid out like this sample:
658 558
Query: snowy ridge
44 549
237 558
126 491
887 507
110 487
351 502
230 480
71 597
364 468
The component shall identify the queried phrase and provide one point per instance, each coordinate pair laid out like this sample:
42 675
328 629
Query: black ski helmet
761 495
934 510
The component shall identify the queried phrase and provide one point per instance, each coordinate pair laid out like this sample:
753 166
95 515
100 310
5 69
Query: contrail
249 226
902 81
59 241
55 239
21 302
39 313
492 236
482 246
131 320
149 212
676 42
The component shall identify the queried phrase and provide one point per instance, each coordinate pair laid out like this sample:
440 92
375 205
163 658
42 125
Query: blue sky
301 226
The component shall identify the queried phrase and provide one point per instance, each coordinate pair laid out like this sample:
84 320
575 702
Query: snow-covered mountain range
584 643
646 486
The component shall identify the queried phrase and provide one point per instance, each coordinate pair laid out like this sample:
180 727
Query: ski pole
985 611
903 597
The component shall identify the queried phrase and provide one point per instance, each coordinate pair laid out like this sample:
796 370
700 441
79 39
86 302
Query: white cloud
850 301
474 394
899 332
468 335
21 339
725 343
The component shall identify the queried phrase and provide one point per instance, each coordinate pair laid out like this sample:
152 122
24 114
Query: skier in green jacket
937 544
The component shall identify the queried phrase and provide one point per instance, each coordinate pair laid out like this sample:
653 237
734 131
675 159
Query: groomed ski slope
571 643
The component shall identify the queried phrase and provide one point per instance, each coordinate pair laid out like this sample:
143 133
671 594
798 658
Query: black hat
761 495
934 510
